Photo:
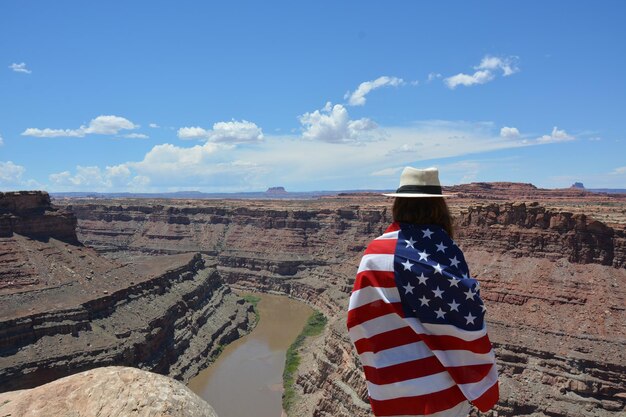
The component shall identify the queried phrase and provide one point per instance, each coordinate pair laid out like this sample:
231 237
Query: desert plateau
88 283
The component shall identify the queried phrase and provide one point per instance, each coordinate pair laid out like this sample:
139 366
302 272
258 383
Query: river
247 378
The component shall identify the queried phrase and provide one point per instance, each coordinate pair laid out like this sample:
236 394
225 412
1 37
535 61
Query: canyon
552 267
66 309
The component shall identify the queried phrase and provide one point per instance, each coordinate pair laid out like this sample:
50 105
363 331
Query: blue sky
241 96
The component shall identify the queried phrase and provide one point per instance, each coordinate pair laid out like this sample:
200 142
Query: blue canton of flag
433 279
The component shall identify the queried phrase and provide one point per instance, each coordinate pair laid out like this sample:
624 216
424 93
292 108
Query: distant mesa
578 185
276 191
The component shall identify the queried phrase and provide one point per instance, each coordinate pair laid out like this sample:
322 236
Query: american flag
417 322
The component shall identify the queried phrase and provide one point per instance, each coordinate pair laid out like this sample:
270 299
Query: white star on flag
438 269
469 318
440 313
424 300
441 247
454 262
407 265
410 242
454 282
438 292
423 256
469 295
408 288
422 279
427 233
454 305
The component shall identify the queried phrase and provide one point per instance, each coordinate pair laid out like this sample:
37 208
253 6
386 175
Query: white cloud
357 98
508 65
21 67
101 125
485 71
433 76
1 140
509 133
10 173
386 172
556 136
620 170
332 124
227 132
92 178
154 125
136 136
479 77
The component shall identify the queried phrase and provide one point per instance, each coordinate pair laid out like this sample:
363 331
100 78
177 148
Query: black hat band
420 189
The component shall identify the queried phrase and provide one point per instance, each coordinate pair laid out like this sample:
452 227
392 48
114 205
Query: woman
415 315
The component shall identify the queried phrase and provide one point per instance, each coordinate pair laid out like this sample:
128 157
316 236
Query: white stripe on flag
376 262
411 387
389 235
451 358
396 355
445 329
375 326
367 295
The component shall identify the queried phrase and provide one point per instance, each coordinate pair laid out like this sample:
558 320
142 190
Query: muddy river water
246 379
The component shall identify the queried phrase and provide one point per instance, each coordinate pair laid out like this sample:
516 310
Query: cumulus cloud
479 77
93 178
21 67
557 135
226 132
101 125
357 98
167 166
509 133
10 173
508 65
332 124
485 71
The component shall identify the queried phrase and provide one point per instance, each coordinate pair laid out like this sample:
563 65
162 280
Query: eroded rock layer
554 281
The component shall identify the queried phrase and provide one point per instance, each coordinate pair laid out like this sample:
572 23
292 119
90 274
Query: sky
156 96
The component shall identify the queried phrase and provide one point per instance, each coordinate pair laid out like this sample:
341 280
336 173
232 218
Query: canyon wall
553 282
68 309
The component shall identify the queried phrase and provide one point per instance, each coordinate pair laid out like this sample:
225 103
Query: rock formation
29 213
553 277
110 391
65 309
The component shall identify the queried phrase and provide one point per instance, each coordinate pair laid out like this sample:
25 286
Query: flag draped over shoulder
417 322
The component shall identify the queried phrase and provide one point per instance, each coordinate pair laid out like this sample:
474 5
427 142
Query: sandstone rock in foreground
107 392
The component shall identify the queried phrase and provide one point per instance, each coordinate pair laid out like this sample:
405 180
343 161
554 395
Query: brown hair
427 210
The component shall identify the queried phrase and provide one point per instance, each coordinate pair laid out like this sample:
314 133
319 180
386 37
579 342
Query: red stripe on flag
384 279
371 311
382 247
469 373
393 227
486 401
403 371
419 405
387 340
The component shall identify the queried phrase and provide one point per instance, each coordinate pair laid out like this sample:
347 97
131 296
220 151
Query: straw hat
418 183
